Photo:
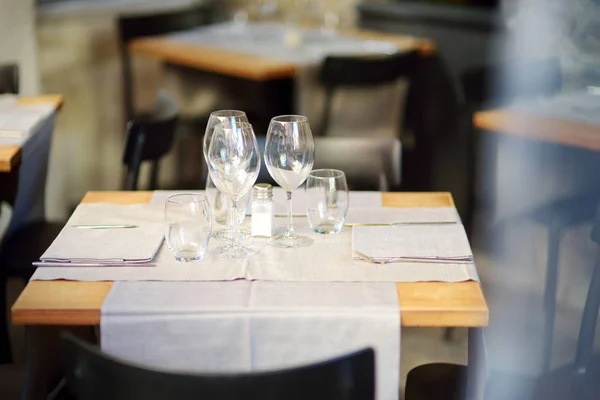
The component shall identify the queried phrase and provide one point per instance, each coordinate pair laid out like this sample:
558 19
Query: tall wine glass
289 157
229 119
234 163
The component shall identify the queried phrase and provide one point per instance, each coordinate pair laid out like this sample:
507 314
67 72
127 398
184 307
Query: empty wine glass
234 163
289 156
229 119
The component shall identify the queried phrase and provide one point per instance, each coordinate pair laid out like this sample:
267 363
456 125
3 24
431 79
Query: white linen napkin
76 245
395 215
434 243
19 121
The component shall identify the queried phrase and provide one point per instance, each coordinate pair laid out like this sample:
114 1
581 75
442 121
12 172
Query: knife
401 223
104 226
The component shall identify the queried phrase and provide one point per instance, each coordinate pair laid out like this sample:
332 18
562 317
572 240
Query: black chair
578 381
136 26
364 71
149 138
497 87
369 163
92 375
9 79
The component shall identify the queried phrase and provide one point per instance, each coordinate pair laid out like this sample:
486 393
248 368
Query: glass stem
234 223
290 225
230 216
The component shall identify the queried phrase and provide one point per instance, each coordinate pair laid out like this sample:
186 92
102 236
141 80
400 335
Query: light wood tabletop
537 127
10 156
245 64
423 304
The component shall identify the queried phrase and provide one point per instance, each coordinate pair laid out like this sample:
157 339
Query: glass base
188 255
285 241
327 228
229 235
234 251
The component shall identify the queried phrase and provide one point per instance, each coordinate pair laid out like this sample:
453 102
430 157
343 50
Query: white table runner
328 259
253 326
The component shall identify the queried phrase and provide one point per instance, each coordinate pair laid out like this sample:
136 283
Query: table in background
10 156
46 306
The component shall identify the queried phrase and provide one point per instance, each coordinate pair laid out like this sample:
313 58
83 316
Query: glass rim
338 173
290 118
241 124
228 113
199 198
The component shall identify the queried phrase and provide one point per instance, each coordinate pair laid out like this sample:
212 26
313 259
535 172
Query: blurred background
524 176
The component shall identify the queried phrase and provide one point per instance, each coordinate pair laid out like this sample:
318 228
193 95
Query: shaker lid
263 190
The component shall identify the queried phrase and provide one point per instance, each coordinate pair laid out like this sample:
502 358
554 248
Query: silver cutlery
400 223
433 259
105 226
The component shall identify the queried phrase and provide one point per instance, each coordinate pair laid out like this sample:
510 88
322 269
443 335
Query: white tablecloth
246 326
328 259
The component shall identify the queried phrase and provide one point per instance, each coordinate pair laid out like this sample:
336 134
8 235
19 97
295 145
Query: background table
10 156
48 306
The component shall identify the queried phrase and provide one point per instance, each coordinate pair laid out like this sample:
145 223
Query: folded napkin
78 245
394 215
19 121
427 243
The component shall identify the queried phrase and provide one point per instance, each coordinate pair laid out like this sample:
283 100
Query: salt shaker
262 210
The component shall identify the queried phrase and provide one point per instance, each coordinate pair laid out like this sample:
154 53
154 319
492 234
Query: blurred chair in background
93 375
353 72
578 381
9 79
369 163
499 87
149 138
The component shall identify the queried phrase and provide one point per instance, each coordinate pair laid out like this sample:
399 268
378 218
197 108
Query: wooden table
247 65
537 127
423 304
10 156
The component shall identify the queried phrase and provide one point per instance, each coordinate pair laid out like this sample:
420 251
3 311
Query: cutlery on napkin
102 235
411 243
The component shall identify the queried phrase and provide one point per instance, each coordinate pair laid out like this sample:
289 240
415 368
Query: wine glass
229 119
289 156
234 163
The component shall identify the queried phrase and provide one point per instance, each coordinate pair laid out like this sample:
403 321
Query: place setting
310 228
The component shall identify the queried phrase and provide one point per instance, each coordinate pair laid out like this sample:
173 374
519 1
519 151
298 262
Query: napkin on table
82 246
433 243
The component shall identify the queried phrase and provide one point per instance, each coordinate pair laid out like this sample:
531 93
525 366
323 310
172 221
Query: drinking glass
188 225
327 200
229 119
289 156
220 207
234 163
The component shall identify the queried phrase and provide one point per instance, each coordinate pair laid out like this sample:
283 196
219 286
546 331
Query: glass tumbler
188 225
327 200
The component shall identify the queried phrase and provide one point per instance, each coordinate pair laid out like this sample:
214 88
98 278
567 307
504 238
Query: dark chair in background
578 381
92 375
498 87
9 79
149 138
355 72
136 26
369 163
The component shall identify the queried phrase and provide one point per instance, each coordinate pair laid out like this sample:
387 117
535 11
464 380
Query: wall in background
18 41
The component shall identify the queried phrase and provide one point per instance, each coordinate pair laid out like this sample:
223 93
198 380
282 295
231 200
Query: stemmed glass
289 156
234 163
229 119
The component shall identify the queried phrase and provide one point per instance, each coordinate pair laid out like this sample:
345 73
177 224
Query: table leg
44 358
476 370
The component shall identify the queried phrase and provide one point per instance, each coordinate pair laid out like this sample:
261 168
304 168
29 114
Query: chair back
9 79
136 26
369 163
92 375
361 71
149 138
